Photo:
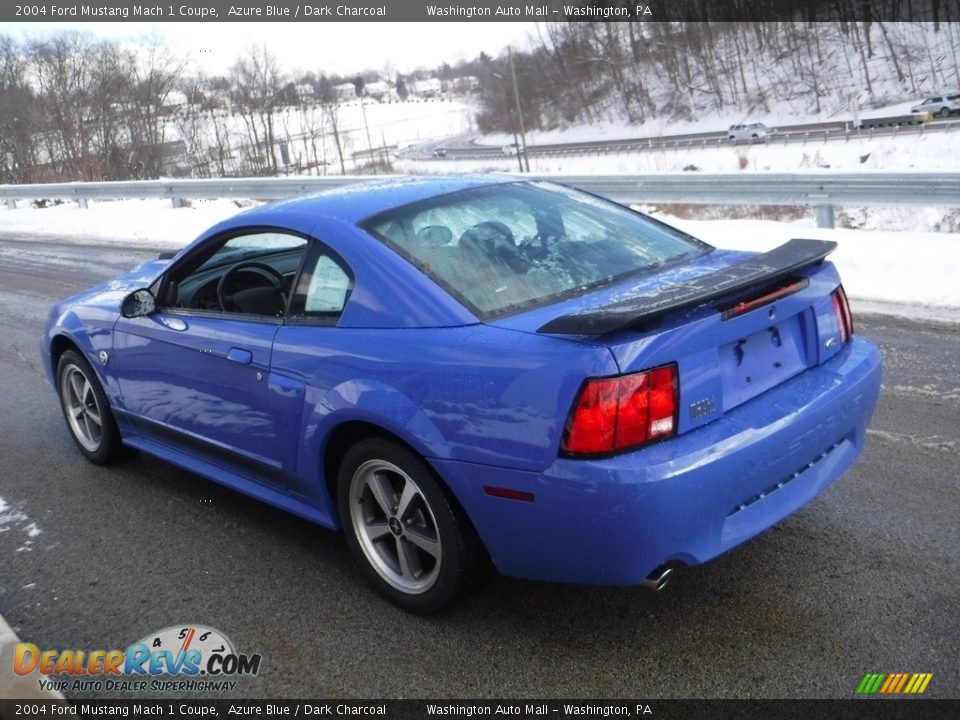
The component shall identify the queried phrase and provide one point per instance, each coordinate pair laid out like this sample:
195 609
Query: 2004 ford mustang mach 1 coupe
464 370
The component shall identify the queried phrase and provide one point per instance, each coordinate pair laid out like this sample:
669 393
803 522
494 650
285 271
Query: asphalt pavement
864 579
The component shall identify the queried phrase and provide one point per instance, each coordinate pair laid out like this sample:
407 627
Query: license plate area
755 363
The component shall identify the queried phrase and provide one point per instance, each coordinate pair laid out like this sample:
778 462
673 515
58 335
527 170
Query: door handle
239 355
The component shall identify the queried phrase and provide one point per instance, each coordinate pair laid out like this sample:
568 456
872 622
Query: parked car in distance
940 106
749 131
513 149
466 371
439 152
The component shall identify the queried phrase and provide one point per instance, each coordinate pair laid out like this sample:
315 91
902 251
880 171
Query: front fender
91 335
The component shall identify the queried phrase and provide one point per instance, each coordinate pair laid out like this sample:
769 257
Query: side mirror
139 303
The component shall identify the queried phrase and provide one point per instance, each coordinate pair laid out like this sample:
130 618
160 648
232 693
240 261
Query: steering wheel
274 276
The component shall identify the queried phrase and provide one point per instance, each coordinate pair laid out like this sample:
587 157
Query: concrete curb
13 686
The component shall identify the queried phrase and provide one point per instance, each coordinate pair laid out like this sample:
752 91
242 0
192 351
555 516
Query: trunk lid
736 324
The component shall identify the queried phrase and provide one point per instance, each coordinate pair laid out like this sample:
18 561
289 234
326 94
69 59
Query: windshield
507 247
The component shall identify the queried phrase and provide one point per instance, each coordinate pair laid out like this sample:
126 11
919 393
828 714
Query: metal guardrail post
82 203
825 216
178 202
11 203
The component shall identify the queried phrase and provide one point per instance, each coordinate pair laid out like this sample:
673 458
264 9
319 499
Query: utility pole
366 128
516 96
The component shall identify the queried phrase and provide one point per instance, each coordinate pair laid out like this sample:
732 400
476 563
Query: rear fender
367 401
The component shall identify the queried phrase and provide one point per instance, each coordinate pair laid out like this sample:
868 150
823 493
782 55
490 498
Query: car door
195 375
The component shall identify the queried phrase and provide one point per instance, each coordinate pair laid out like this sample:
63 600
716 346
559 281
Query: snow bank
128 223
888 270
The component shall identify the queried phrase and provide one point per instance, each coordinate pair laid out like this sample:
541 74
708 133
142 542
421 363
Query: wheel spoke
93 413
429 545
406 497
409 560
382 492
76 388
87 390
377 530
87 428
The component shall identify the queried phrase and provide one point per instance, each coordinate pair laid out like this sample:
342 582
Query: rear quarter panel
475 394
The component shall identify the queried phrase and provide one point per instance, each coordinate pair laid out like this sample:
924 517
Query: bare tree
19 121
256 85
153 73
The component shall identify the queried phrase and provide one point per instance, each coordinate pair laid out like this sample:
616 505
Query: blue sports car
461 371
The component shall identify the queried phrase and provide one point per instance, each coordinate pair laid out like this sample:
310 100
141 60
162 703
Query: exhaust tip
658 579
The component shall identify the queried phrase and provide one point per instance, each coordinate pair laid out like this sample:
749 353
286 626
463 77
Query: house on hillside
345 91
378 90
427 88
305 93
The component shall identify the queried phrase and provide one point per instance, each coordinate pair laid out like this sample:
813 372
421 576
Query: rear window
502 248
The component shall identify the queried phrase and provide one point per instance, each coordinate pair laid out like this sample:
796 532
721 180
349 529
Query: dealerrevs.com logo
203 659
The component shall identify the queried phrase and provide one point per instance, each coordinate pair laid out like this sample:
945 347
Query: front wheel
412 542
86 409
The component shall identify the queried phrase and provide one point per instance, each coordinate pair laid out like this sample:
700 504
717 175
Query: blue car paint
485 403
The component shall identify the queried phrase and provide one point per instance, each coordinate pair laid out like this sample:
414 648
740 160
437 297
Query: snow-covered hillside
935 151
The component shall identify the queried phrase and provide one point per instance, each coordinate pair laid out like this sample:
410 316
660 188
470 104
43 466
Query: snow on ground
936 150
885 272
12 519
128 223
707 123
882 272
307 132
930 152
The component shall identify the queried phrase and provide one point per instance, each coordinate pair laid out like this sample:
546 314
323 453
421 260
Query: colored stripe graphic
890 683
901 682
894 683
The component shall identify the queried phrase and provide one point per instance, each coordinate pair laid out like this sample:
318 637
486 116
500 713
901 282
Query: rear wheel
86 409
412 542
944 112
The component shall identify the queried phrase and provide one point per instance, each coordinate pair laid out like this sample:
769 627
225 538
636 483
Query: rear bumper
689 499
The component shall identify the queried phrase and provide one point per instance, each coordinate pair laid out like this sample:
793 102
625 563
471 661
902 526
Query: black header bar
166 707
480 11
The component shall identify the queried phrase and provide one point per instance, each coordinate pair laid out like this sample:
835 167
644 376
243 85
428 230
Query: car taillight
842 308
621 413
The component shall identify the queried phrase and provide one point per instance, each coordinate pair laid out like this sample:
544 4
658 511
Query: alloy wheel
395 526
83 412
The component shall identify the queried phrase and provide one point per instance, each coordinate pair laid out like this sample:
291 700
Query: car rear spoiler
644 310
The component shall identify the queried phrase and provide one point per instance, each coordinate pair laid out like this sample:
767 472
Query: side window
250 273
328 287
323 290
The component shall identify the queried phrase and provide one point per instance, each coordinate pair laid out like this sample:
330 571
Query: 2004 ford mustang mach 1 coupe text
465 370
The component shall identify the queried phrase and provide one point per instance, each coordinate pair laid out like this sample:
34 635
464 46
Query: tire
754 136
86 410
421 557
943 112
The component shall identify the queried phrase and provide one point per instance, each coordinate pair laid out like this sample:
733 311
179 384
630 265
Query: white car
749 131
939 105
513 149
